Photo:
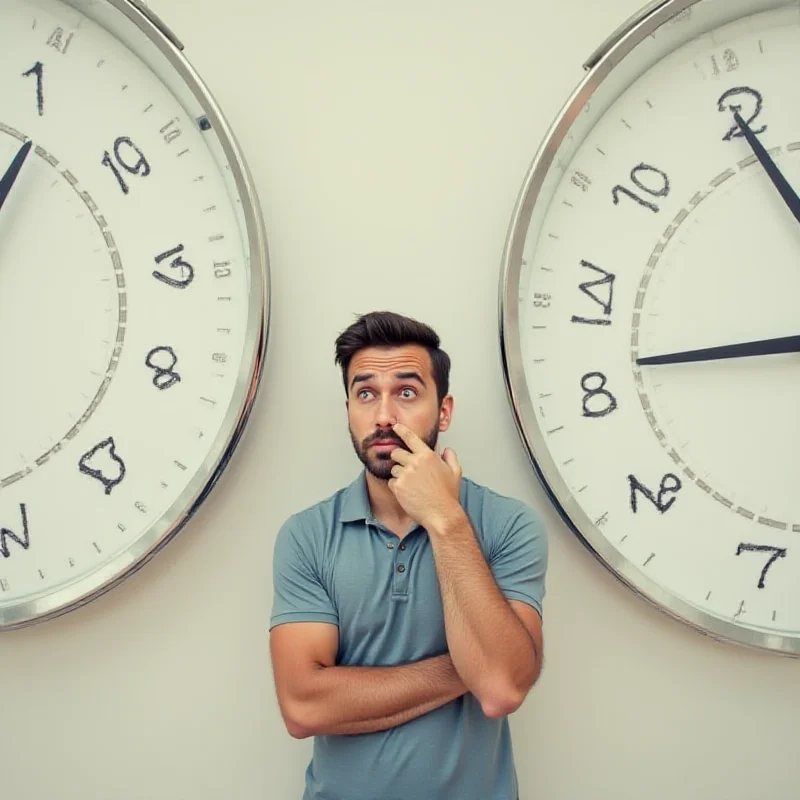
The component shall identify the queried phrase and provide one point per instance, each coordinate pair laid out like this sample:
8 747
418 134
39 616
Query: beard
380 464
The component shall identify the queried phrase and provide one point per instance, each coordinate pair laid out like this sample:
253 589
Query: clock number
222 269
583 182
670 484
36 70
140 167
90 464
23 539
588 289
733 100
541 299
186 270
165 375
660 191
609 403
777 552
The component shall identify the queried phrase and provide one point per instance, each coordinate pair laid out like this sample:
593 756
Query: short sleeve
299 594
519 563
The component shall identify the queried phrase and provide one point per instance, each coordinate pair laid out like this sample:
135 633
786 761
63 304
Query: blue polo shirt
334 562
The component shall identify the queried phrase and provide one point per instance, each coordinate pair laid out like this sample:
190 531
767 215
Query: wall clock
134 298
648 314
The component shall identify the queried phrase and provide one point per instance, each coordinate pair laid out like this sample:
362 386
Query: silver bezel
609 56
161 49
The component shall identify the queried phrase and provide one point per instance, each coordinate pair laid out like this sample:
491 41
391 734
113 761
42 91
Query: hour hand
775 175
7 181
764 347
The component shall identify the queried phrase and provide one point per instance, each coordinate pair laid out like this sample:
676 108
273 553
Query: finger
401 456
451 460
397 470
413 441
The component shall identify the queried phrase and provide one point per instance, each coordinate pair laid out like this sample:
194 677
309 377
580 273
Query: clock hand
776 176
765 347
7 181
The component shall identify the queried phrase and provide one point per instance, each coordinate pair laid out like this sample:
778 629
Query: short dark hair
388 329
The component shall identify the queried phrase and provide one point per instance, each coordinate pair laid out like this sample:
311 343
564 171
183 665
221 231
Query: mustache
383 436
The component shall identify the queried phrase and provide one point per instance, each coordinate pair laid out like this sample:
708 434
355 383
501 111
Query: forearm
351 700
489 644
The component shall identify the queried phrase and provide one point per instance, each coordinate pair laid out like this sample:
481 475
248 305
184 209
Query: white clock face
650 227
132 300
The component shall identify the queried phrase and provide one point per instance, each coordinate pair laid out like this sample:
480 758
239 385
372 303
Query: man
406 623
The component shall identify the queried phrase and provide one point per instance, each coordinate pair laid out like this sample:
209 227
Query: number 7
777 552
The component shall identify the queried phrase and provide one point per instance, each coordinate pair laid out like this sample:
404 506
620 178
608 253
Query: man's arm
496 644
317 698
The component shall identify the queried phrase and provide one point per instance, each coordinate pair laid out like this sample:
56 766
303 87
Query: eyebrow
403 376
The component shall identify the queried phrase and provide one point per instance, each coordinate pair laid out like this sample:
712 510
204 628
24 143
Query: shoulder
308 527
500 515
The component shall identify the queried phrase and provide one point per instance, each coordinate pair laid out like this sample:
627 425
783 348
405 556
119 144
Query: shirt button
401 568
390 545
402 547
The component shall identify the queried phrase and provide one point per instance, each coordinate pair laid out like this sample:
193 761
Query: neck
385 507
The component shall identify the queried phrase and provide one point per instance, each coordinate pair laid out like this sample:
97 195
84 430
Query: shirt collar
355 505
355 501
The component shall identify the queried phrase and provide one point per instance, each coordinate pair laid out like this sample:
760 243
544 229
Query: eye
408 393
364 394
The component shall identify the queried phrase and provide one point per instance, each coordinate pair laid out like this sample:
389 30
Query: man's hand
425 484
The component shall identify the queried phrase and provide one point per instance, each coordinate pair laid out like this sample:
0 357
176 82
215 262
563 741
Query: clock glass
648 314
133 298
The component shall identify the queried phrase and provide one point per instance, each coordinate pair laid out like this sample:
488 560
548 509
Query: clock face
133 310
648 225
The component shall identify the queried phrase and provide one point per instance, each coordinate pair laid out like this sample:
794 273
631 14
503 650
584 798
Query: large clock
134 298
648 314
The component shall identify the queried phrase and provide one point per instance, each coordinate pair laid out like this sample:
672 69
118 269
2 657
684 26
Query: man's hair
387 329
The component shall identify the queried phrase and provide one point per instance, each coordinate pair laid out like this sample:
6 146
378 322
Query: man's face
386 386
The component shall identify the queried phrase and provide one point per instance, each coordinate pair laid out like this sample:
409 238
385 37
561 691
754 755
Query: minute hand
11 174
764 347
775 175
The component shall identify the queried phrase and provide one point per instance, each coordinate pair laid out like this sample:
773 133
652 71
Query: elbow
503 698
502 703
297 732
296 720
296 729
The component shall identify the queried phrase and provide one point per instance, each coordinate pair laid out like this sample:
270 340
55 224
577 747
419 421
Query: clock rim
612 51
98 582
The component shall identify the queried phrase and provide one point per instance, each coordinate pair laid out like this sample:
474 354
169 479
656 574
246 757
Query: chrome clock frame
606 64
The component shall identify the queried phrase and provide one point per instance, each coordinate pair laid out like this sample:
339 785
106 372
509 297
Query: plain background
388 142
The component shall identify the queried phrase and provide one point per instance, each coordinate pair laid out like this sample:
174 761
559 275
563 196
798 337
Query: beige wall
388 142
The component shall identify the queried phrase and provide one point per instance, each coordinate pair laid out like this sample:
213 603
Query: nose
387 412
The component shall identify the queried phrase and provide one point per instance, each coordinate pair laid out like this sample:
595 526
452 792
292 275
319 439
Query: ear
445 413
